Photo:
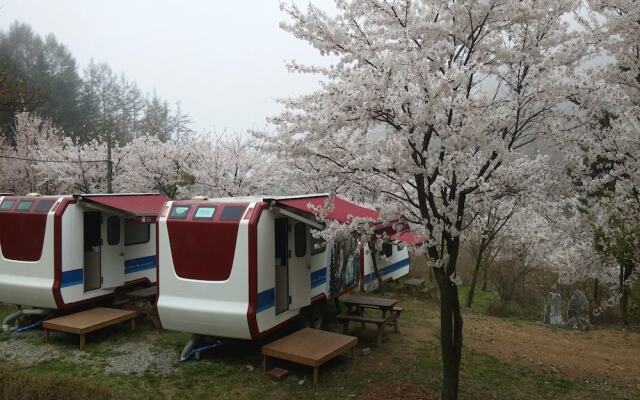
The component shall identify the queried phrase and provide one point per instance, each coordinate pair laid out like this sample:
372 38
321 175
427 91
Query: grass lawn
234 371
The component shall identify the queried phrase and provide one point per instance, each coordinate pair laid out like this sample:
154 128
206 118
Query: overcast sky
223 60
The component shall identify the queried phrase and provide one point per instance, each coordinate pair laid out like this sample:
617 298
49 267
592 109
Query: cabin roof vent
199 198
34 194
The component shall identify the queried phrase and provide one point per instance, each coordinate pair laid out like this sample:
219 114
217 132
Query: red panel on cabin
342 212
22 235
138 205
203 250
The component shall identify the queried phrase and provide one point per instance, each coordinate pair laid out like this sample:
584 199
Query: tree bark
372 249
450 334
472 288
484 278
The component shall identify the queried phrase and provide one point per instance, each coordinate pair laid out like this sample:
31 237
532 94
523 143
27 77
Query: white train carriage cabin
242 267
60 252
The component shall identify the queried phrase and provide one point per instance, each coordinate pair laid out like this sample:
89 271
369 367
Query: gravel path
127 358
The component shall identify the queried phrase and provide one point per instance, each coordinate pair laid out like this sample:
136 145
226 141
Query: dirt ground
403 391
604 355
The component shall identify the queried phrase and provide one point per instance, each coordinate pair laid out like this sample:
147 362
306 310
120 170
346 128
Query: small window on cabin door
113 230
301 239
318 245
387 249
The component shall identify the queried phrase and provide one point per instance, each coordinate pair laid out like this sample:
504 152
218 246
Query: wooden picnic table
143 301
88 321
355 313
311 347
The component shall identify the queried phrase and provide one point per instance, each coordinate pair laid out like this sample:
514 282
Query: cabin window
387 249
24 205
301 239
179 212
232 213
204 212
113 230
7 205
318 245
44 205
135 233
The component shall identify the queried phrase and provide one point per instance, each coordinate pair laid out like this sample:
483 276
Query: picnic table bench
355 313
143 301
88 321
311 347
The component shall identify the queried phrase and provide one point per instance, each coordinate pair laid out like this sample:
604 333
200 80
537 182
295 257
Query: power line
53 161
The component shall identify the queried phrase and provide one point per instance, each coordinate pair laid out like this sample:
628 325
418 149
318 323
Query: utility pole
109 165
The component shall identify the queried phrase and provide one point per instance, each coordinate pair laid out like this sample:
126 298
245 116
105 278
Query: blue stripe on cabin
73 277
387 270
266 300
318 277
139 264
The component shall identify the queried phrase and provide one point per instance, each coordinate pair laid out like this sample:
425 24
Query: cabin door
282 265
299 265
112 257
92 251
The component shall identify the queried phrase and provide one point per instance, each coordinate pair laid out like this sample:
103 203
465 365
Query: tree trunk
450 334
484 278
624 307
472 288
372 249
625 274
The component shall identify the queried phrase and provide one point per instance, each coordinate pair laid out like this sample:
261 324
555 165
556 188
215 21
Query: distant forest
41 76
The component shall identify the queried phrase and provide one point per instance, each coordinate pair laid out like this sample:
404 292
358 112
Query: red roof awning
343 211
134 205
408 237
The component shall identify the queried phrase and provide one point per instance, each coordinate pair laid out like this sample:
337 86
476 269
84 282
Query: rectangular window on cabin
7 205
135 233
318 245
204 212
179 212
113 230
301 239
24 205
387 249
44 205
232 213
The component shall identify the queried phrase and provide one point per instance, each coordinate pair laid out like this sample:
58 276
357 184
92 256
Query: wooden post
315 375
82 342
264 364
133 324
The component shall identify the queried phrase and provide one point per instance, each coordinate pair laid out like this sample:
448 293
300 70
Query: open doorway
92 250
282 264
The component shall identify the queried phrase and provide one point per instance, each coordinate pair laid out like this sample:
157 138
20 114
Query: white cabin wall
205 307
392 268
30 283
140 259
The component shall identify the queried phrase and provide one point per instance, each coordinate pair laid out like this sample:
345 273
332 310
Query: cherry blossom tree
20 171
235 165
154 165
603 155
429 104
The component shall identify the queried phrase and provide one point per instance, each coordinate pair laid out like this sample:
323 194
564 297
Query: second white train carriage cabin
241 267
60 252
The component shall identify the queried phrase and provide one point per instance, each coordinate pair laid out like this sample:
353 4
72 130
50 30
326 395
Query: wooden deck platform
88 321
311 347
